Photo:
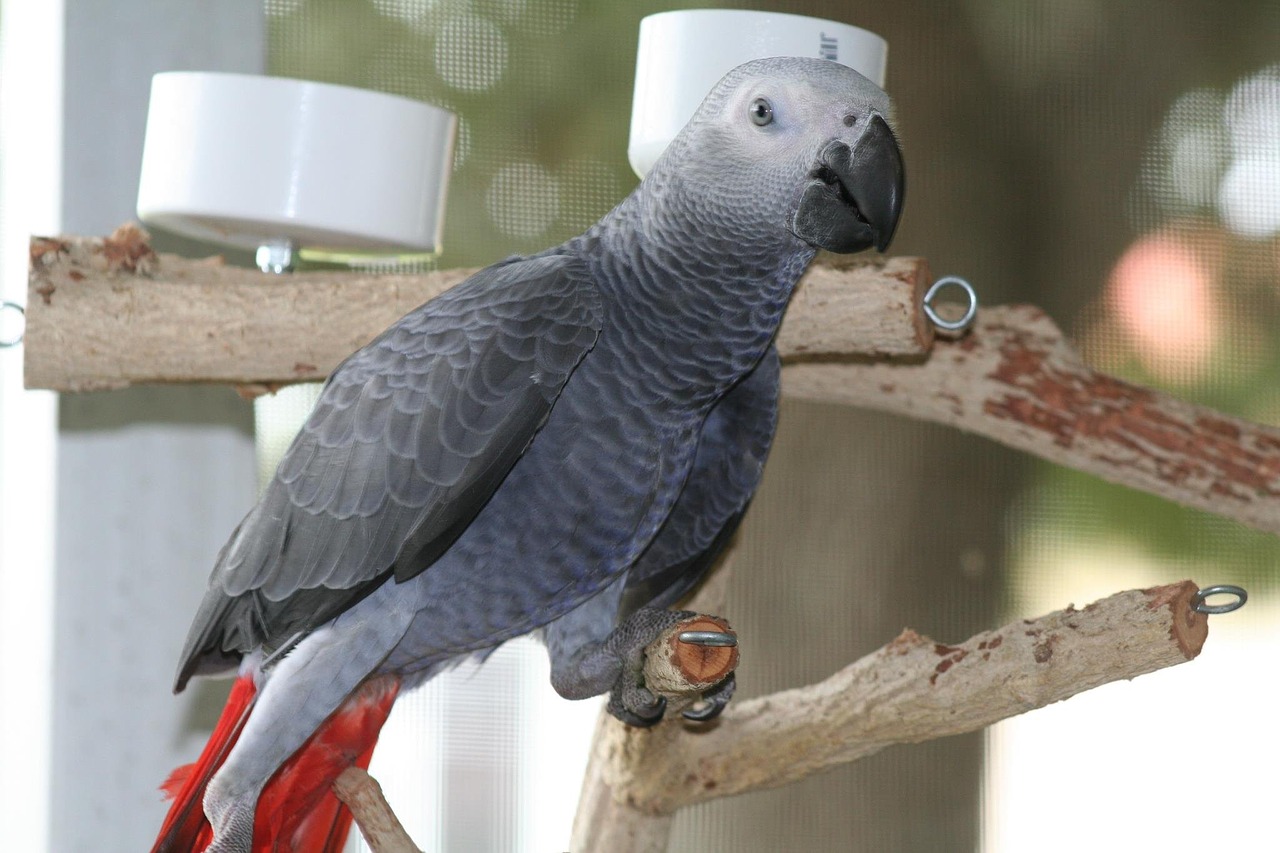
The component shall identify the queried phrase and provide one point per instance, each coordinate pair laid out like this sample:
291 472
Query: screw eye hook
5 343
971 298
1200 605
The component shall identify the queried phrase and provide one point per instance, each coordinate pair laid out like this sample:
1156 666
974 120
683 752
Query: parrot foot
630 700
231 816
617 663
637 707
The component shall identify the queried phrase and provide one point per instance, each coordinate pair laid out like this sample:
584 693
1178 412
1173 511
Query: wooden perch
914 689
681 671
105 313
110 312
378 824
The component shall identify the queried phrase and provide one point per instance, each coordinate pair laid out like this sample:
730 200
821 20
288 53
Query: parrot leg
294 701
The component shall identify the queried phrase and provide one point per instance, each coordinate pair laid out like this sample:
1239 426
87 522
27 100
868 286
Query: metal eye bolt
12 342
1199 605
970 312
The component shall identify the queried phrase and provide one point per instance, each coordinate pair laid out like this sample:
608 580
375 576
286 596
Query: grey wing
732 449
408 440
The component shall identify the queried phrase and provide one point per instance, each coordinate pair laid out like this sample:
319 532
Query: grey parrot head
797 143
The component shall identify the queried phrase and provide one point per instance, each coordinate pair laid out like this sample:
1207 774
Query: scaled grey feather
732 448
408 440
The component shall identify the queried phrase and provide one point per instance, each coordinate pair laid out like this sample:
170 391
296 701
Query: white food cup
254 161
682 54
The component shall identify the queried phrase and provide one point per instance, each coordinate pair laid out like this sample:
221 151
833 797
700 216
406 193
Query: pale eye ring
761 111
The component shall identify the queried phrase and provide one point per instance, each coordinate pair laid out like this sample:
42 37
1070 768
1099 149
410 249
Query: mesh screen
1116 164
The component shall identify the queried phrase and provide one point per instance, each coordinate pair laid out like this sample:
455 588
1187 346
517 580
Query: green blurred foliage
1066 505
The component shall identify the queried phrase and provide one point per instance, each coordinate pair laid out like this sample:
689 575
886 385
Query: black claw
712 705
632 718
709 709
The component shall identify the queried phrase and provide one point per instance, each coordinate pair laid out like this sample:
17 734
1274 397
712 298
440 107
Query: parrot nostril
850 120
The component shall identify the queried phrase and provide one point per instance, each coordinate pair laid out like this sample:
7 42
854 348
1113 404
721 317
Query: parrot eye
761 111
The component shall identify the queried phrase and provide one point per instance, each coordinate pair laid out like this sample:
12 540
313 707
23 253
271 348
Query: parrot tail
297 810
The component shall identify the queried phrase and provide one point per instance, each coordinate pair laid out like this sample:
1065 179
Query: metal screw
275 257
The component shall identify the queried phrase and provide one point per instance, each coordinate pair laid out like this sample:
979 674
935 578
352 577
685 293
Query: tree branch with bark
913 689
110 312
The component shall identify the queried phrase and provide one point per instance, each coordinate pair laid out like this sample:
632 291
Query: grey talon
713 703
708 638
632 718
708 710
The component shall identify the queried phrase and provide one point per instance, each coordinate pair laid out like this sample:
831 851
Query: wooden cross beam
110 312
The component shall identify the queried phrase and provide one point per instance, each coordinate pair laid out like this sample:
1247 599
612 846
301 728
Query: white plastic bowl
244 160
682 54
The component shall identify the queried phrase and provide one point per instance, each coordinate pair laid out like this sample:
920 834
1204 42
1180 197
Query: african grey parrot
562 444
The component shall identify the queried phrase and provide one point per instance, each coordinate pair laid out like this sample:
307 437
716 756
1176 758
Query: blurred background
1116 164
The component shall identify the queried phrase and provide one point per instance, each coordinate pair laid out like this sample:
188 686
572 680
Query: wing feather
407 442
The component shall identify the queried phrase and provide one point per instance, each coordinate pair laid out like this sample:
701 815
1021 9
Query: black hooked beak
853 196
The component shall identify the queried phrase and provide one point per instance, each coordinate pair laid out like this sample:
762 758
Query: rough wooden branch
605 819
1016 379
914 689
107 313
378 824
681 671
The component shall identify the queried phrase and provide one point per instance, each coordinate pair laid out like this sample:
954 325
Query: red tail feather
185 828
297 811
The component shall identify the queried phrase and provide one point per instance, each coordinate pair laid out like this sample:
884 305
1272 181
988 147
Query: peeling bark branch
1016 379
106 313
110 312
914 689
